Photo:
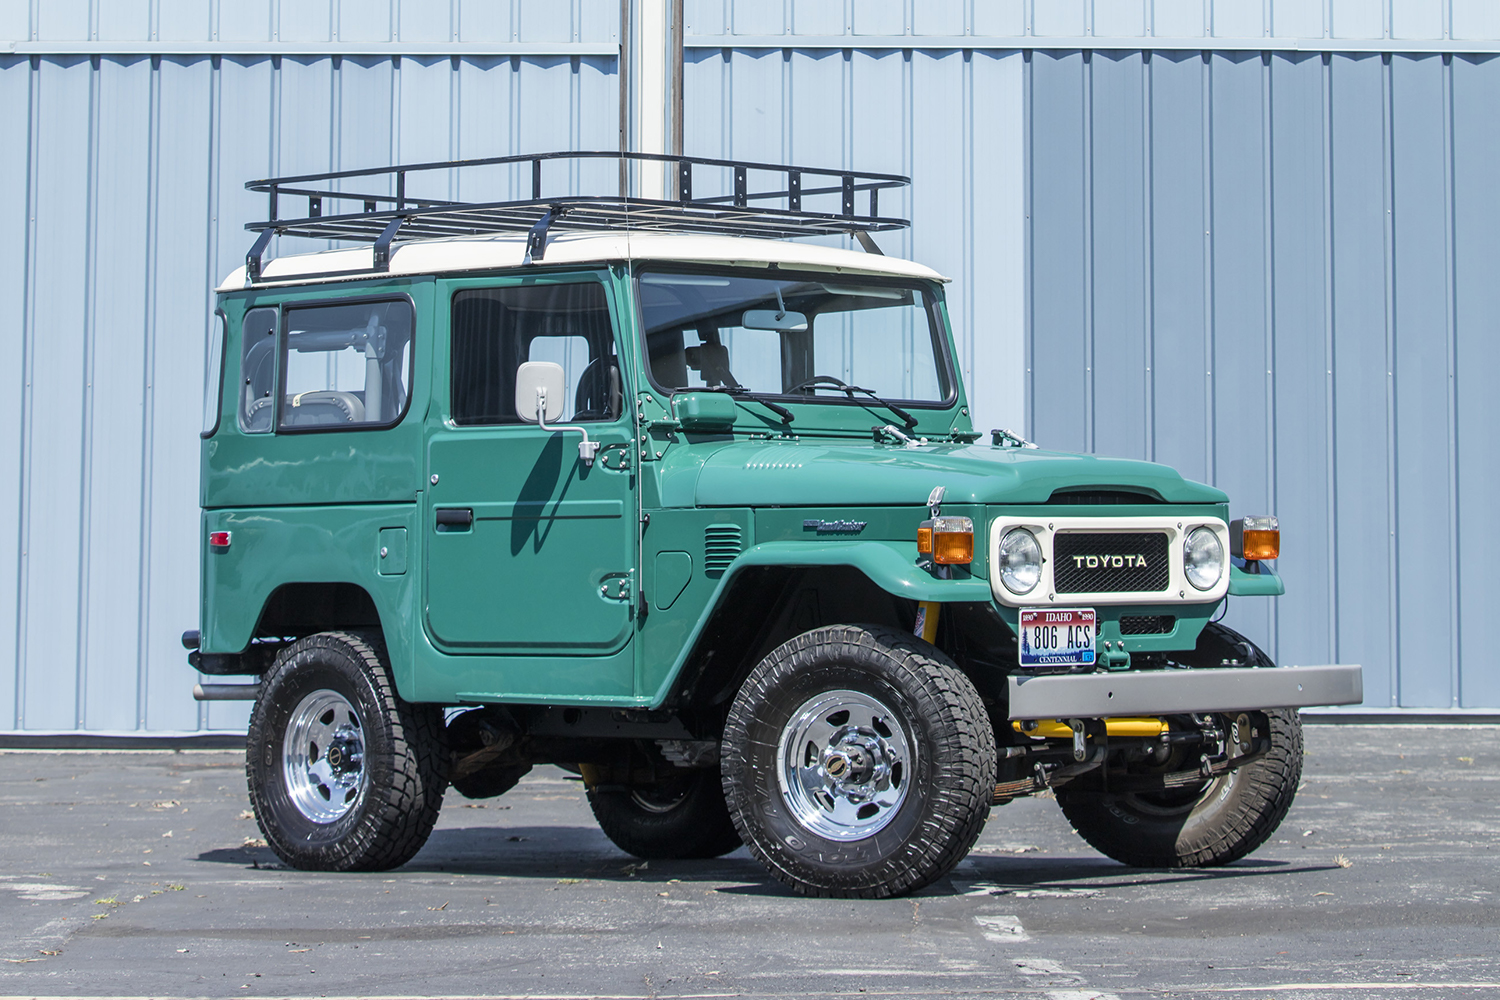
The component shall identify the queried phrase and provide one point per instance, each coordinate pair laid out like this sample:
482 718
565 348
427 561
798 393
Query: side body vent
722 544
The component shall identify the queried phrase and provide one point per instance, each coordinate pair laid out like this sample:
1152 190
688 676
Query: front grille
1147 624
1110 563
722 544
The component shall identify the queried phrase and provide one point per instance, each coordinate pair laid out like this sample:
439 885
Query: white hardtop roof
485 253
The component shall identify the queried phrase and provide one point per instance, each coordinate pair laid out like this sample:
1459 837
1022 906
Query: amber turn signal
1255 538
948 540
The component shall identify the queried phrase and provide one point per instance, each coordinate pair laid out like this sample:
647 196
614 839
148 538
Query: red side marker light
218 539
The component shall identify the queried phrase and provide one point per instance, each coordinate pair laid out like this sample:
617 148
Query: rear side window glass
346 365
496 329
257 406
213 370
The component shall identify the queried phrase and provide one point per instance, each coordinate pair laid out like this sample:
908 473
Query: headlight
1020 561
1203 558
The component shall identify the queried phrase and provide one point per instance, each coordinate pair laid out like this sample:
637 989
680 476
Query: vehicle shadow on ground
579 852
1077 875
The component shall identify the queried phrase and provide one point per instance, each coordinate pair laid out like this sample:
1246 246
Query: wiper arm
849 390
906 418
740 392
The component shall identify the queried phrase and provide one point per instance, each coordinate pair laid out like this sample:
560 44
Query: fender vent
722 544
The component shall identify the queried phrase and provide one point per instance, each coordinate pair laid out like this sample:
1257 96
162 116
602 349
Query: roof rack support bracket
536 239
684 181
867 242
253 258
382 253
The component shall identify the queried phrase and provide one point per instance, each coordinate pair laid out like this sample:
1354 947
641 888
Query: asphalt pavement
141 873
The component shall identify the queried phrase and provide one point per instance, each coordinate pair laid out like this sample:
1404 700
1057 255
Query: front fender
890 565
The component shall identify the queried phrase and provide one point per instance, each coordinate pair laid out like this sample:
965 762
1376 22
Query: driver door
529 551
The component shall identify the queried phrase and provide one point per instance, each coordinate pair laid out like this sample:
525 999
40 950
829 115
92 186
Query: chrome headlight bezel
1203 560
1016 542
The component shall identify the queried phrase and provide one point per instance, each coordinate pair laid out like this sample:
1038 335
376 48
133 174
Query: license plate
1058 637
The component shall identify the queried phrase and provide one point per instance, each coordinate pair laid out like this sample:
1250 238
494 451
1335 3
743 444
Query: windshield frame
830 395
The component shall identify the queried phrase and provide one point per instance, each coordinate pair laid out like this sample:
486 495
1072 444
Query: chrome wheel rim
846 762
323 757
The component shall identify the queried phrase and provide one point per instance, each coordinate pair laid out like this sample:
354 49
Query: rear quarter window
345 365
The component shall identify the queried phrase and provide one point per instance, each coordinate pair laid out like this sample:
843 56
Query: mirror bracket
587 450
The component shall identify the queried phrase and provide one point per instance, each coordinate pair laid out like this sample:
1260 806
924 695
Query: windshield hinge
1000 435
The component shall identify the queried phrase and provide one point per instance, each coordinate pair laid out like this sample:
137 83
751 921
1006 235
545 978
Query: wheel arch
775 591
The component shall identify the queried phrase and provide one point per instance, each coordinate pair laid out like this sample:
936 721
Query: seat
323 406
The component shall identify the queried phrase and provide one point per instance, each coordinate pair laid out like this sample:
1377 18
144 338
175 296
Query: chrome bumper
1171 692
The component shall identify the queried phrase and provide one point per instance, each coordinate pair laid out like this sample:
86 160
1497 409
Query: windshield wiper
849 390
740 392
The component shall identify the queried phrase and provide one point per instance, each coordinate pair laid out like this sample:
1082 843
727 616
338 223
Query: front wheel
858 762
344 775
1213 824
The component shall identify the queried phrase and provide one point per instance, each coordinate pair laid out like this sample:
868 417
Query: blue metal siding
1270 269
1321 305
125 205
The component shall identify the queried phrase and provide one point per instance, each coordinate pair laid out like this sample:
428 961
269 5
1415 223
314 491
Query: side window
496 329
346 364
213 371
257 371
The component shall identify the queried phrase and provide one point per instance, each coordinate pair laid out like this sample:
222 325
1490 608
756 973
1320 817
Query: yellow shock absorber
1056 729
927 620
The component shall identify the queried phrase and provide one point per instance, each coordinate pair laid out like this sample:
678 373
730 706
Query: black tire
374 814
1220 822
681 817
936 729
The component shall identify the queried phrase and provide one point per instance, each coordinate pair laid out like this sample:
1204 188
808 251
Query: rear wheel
858 762
681 816
343 774
1215 823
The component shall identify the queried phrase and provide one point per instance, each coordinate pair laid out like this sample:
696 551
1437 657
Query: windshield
773 336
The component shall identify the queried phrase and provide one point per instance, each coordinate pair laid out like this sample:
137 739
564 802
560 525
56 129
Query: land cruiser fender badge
834 527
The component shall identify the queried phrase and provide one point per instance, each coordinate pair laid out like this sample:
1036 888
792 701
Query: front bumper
1173 692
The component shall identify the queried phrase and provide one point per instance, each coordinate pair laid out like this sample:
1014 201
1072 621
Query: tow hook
1080 734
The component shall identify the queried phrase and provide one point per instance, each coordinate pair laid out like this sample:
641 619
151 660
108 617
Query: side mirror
540 388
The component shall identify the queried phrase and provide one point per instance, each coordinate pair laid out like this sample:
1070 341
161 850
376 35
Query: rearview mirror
540 387
783 321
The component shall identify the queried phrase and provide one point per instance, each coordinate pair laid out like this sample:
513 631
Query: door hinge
615 587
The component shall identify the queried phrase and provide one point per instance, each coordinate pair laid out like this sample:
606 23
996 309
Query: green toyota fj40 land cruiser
623 485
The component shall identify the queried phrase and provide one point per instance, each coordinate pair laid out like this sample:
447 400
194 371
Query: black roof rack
780 211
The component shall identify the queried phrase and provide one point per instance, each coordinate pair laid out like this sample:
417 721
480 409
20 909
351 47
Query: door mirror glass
783 321
540 387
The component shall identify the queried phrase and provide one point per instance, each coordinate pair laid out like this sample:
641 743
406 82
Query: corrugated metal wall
1270 268
1276 273
1295 244
121 188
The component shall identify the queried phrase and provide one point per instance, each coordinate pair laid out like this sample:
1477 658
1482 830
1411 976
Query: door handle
455 518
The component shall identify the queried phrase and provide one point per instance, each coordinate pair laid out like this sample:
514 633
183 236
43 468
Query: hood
757 473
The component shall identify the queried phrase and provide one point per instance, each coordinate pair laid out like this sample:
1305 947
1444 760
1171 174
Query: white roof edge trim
498 253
